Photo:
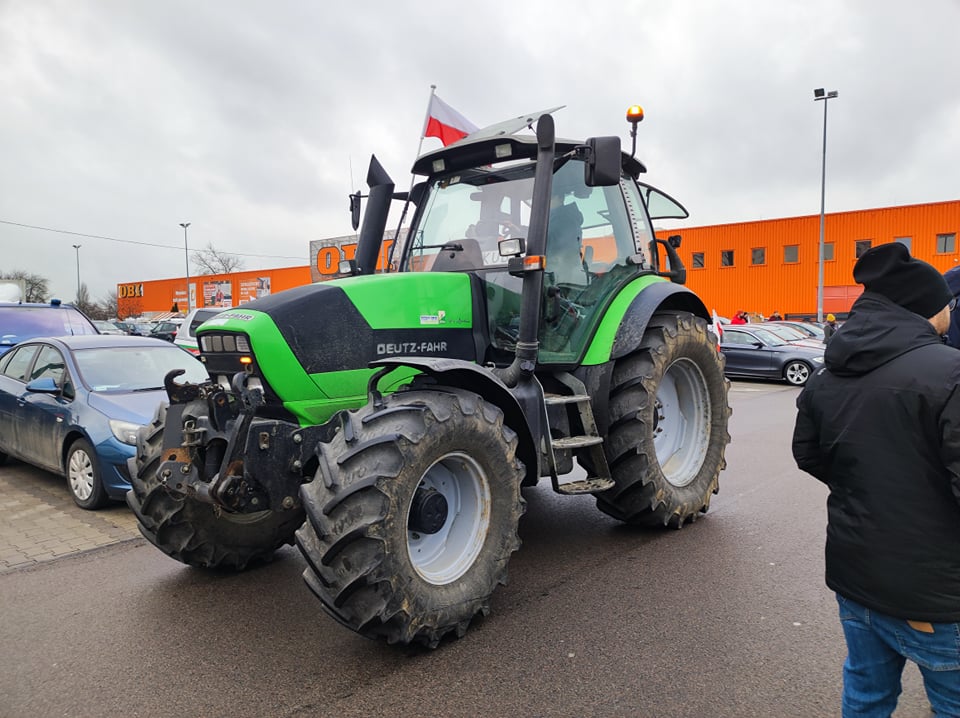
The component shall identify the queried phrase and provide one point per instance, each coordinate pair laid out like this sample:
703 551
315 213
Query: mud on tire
372 559
194 532
668 424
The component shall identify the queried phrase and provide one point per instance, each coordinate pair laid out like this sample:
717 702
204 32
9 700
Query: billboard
218 293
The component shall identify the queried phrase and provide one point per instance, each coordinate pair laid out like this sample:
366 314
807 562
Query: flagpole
426 121
413 178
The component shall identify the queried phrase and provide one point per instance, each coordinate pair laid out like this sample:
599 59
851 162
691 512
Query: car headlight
125 431
817 360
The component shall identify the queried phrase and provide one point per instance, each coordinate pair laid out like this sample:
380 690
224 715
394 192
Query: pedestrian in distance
879 424
830 328
775 317
739 318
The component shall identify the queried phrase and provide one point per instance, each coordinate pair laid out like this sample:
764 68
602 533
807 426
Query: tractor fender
662 296
621 330
480 380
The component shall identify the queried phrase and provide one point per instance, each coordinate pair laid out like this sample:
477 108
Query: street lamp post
186 256
77 247
819 94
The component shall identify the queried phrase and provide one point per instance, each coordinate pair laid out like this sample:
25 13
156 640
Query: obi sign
128 291
328 253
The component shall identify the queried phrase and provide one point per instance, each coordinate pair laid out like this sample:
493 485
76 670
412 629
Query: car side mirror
43 385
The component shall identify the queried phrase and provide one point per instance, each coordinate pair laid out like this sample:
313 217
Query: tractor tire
668 425
194 532
413 515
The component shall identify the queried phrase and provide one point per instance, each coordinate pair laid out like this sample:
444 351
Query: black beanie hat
913 284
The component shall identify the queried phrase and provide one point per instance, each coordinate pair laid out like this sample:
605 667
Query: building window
791 253
946 243
861 246
697 260
758 255
726 258
827 251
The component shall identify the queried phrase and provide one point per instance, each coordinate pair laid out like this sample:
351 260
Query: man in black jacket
880 425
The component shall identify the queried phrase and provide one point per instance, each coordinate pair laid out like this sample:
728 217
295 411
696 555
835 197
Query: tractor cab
477 218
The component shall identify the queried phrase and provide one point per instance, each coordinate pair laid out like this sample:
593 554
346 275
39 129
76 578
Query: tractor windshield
590 236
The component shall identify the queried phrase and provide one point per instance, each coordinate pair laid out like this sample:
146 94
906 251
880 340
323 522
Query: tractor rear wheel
194 532
413 515
668 424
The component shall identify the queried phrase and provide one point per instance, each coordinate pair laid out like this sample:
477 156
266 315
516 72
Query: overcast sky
254 120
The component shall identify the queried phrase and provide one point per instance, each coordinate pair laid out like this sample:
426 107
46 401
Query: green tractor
387 421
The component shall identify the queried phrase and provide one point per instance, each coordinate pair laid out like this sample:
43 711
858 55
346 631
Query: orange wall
792 288
159 295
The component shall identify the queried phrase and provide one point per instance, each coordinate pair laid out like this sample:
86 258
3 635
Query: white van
187 333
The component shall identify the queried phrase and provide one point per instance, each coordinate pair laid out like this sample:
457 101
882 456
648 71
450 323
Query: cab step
586 486
590 439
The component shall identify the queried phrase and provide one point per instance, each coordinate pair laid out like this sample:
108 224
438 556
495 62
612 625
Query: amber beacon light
634 116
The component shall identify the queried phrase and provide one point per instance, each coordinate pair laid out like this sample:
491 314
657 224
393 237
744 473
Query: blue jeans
878 647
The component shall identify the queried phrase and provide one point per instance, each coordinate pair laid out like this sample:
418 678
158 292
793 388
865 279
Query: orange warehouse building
164 296
772 265
759 267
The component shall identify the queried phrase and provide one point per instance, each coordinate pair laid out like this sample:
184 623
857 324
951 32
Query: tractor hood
345 324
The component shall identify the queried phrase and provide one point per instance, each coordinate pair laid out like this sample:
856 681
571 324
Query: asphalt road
728 617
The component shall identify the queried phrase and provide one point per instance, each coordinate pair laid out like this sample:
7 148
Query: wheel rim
797 373
682 422
446 555
80 474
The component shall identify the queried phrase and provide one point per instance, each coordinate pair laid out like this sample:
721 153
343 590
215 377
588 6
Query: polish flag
717 327
446 123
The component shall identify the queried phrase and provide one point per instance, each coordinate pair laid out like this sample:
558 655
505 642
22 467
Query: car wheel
83 476
796 373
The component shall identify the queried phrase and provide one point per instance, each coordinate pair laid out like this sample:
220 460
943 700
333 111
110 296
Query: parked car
105 327
794 336
166 330
73 406
811 329
754 351
19 322
187 333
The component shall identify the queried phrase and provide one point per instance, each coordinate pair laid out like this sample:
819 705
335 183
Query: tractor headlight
125 431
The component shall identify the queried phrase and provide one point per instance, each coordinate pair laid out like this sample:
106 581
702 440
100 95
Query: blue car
73 405
19 322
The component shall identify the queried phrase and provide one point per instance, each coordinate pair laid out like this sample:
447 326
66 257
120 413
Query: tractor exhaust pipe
374 218
528 345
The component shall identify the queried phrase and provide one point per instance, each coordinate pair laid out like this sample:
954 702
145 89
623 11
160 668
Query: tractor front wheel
413 515
668 424
194 532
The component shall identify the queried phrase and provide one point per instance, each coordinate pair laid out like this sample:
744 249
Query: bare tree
85 303
212 261
109 306
38 288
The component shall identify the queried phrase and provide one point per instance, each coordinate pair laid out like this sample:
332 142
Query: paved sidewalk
39 521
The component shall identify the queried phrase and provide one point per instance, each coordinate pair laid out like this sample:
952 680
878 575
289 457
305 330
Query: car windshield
138 368
788 334
770 338
19 323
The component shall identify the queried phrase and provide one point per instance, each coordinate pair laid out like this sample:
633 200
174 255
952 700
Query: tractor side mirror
674 240
355 210
602 166
512 247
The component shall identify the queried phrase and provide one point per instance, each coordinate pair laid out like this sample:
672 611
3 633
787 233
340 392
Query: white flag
717 327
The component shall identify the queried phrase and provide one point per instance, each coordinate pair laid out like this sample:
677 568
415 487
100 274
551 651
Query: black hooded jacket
880 425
